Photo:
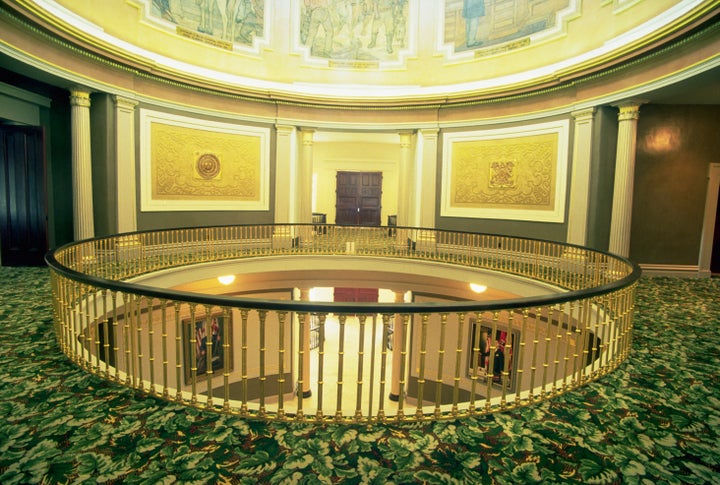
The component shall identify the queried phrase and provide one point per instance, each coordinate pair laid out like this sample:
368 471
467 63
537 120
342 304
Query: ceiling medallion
208 166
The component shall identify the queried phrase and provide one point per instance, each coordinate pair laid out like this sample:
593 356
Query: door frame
708 230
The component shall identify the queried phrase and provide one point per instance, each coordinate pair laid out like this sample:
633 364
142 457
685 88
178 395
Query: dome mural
372 49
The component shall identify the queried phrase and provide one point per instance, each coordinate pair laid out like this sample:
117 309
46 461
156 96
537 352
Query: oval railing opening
119 314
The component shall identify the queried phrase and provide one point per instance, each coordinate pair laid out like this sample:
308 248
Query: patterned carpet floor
654 420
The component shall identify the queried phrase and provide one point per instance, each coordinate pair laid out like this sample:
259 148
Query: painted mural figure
361 16
472 11
473 24
318 14
401 15
248 19
230 20
383 16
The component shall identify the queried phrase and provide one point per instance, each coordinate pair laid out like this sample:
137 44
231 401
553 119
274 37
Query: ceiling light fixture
478 288
226 279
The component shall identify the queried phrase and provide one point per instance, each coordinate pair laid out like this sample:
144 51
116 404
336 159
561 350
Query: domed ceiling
371 50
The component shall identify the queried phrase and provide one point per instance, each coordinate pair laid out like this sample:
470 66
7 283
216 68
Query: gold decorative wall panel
191 164
517 173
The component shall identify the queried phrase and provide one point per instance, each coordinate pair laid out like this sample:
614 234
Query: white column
285 179
425 191
580 182
125 163
403 203
84 225
624 179
305 174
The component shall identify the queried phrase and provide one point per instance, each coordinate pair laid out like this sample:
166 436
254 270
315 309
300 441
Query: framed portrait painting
492 354
206 336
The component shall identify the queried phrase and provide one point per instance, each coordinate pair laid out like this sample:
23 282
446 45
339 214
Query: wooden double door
358 200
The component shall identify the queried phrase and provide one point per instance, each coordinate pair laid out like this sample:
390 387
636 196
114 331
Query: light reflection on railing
384 362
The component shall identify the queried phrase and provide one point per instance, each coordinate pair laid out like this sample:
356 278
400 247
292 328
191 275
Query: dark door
358 198
23 230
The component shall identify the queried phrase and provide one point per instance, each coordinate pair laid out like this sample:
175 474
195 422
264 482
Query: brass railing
369 361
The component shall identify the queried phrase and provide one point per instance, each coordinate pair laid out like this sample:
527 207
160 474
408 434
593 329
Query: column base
394 397
306 394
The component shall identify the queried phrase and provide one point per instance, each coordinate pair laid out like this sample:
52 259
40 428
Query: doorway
23 226
358 197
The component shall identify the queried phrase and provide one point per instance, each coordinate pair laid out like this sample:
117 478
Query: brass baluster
441 359
164 337
321 366
178 354
244 313
281 364
341 361
227 323
421 374
458 363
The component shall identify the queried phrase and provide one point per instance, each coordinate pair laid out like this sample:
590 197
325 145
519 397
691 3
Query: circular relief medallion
208 166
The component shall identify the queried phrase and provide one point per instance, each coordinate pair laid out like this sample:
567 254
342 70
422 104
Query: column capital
80 97
307 135
405 139
584 114
629 110
284 129
124 103
429 132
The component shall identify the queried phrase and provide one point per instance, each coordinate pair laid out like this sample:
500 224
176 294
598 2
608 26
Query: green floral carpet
654 420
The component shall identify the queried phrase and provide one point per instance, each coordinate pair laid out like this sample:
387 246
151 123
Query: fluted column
285 179
125 162
624 179
425 192
580 182
403 204
305 177
84 225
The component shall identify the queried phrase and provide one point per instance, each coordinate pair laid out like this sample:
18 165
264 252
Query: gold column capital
629 110
80 97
